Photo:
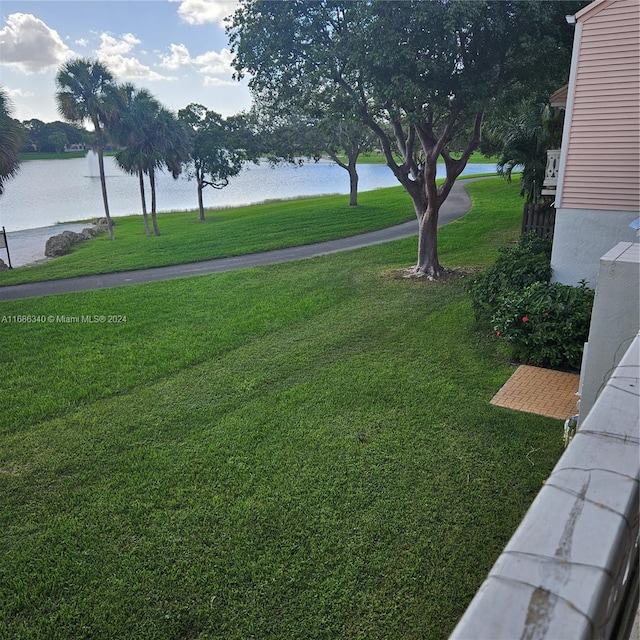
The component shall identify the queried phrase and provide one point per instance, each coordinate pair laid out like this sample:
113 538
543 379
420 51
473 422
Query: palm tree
167 145
12 135
86 91
523 142
130 131
152 138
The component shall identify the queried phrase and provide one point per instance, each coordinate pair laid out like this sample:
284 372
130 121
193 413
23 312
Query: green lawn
226 232
52 155
365 158
378 158
304 450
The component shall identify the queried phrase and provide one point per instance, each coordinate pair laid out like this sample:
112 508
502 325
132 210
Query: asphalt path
455 206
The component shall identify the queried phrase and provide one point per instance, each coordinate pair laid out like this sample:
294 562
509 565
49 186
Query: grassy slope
372 158
299 451
226 232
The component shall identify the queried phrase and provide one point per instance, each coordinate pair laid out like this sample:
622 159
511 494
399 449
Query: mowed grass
223 233
303 450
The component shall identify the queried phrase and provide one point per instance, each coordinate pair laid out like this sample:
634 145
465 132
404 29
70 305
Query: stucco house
598 182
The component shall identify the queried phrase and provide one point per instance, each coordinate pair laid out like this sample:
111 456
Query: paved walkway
541 391
455 206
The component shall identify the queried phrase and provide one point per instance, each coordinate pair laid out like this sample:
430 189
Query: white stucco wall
582 237
615 320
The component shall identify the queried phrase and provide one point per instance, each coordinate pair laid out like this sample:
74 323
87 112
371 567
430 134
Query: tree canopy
86 91
419 74
40 135
219 148
11 139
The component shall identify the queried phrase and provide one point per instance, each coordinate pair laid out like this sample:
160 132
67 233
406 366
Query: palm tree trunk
152 182
103 185
145 217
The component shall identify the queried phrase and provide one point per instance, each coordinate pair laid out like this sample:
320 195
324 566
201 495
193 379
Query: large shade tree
293 131
219 148
311 134
86 91
12 135
344 139
420 74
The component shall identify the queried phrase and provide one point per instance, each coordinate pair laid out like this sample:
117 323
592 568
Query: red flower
498 333
525 319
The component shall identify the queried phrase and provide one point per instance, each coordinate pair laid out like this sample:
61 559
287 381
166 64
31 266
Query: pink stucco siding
602 165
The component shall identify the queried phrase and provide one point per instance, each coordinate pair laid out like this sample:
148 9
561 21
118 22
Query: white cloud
179 57
30 45
218 82
112 46
112 53
82 42
206 11
123 67
210 62
215 62
18 93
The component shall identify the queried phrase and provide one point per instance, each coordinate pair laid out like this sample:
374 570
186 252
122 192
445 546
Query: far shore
370 158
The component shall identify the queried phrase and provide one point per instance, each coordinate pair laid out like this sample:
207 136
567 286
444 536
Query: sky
177 49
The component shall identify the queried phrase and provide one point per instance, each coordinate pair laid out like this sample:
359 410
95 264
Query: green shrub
545 324
517 267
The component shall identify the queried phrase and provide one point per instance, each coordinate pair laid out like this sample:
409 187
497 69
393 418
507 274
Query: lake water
46 192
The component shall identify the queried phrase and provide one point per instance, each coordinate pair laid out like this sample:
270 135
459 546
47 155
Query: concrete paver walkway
541 391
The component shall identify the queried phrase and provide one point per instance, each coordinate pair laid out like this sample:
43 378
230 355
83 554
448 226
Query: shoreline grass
300 451
224 233
365 158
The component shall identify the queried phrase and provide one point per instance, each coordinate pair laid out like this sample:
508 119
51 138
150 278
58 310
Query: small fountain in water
92 161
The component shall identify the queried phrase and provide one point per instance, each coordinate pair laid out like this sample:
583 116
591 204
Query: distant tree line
54 137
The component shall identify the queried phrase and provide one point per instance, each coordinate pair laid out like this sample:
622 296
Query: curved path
455 206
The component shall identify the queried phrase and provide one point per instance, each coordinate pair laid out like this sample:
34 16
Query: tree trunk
353 185
428 264
145 217
200 201
352 157
152 182
103 185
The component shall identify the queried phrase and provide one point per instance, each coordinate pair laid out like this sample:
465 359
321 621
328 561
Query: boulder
61 244
58 245
73 237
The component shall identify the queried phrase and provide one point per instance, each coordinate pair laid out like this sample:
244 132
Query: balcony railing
551 172
570 570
